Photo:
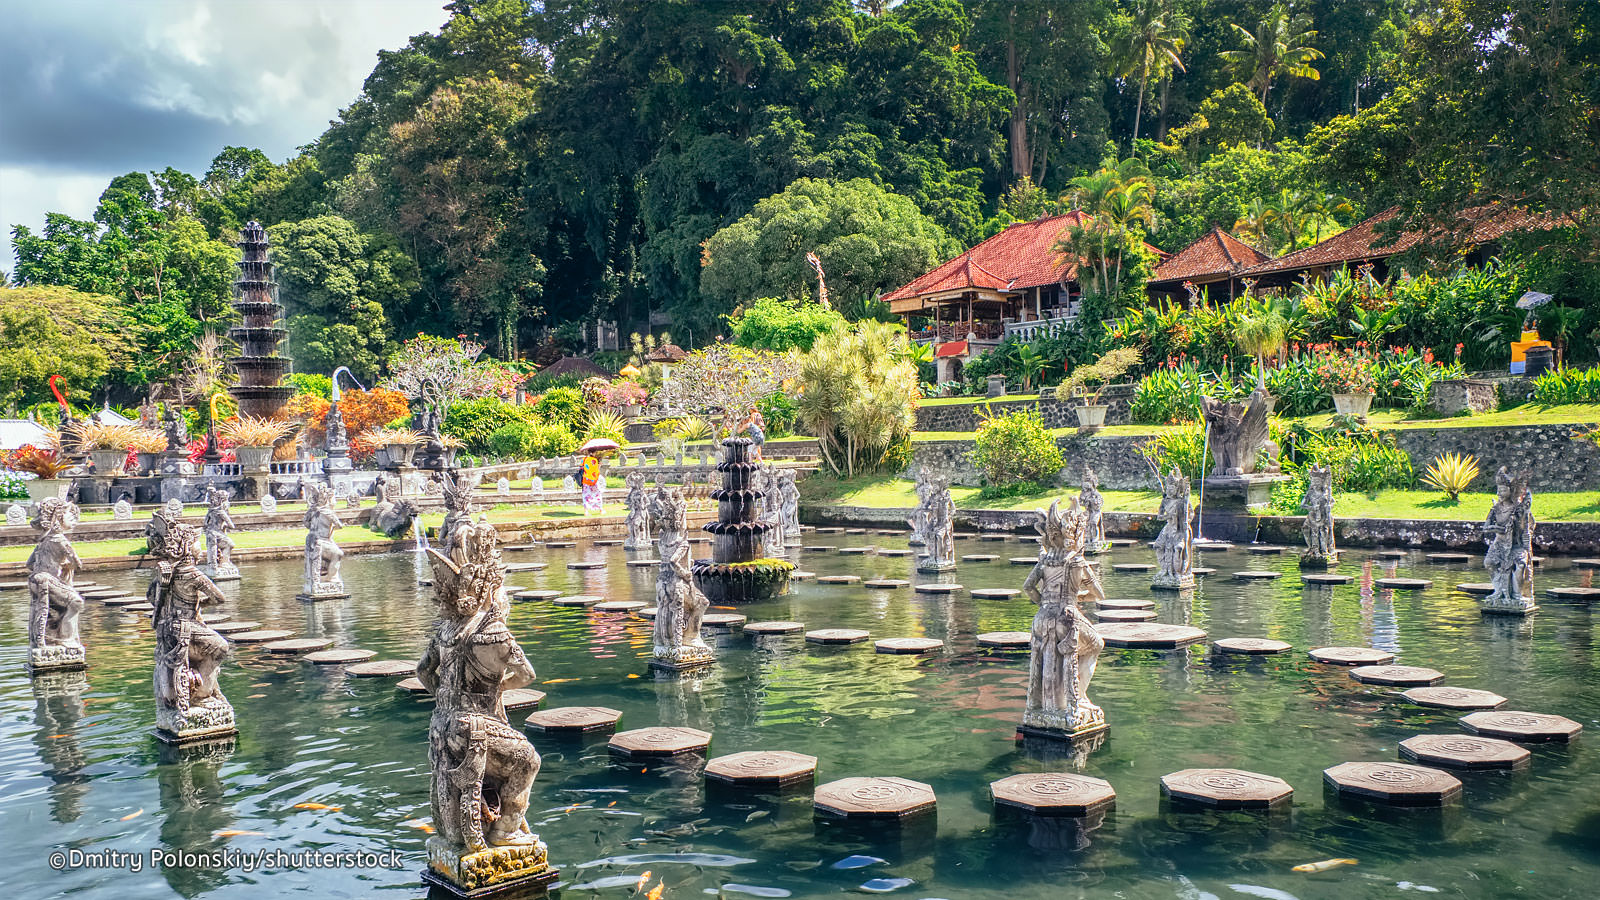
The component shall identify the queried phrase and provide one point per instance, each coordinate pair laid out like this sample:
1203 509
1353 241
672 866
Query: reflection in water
193 811
58 707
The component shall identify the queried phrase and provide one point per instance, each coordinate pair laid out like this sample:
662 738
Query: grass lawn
890 492
1526 414
1576 506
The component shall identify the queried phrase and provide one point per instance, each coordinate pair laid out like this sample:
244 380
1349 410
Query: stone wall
1056 413
1116 461
1549 454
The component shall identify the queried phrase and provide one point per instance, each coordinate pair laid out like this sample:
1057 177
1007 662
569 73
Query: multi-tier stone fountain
735 573
258 333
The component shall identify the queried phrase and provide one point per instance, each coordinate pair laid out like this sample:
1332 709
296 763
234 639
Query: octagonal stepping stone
979 557
578 600
1226 788
642 563
141 606
887 531
885 583
412 685
573 720
837 636
607 542
838 579
1394 783
1199 544
13 585
894 552
908 646
561 545
1398 676
649 612
1202 571
1326 578
1456 752
1149 635
854 551
517 548
1122 542
937 588
829 529
1132 567
1477 588
1251 646
584 565
1454 698
297 645
1448 557
801 575
1572 593
762 768
819 549
1126 603
774 628
620 605
1124 615
1006 640
1521 726
874 798
992 537
994 593
339 657
1586 564
1390 554
526 567
1256 575
383 668
214 618
264 636
1053 793
660 740
1024 560
1351 656
1402 584
722 620
1263 549
521 698
536 595
128 600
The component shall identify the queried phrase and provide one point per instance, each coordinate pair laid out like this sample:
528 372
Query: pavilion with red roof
1211 264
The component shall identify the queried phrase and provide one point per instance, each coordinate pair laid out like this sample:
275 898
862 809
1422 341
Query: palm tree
1280 45
1154 45
1114 197
1031 362
1323 208
1253 224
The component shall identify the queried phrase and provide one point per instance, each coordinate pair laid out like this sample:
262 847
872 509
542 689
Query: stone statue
16 514
323 556
122 510
189 704
637 499
269 503
1239 434
219 547
1175 544
482 767
1509 557
771 512
53 603
1065 645
174 508
1320 551
679 602
176 432
789 499
336 439
390 517
458 510
536 489
1093 506
919 518
938 526
569 484
502 487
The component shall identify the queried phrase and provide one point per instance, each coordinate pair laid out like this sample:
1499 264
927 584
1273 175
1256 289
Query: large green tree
49 330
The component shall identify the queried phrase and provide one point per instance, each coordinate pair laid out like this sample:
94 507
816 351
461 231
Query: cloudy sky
90 89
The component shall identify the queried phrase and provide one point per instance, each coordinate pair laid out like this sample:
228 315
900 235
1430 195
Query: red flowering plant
1346 371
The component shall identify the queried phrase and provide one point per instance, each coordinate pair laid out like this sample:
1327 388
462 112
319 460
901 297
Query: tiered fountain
259 366
734 574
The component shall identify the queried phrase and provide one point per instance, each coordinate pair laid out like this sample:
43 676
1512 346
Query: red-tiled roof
1361 241
1016 258
1217 253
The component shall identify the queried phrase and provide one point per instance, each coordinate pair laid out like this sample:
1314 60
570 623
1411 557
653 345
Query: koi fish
418 824
643 880
132 815
234 832
315 806
655 892
631 675
1325 865
559 680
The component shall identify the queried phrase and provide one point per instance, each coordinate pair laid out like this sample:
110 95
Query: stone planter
253 457
40 488
107 462
399 454
1352 404
148 462
1090 416
631 409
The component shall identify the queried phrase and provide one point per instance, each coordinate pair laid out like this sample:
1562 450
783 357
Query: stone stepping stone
1456 752
762 768
1255 575
521 698
297 645
839 579
561 545
585 566
828 529
1403 584
874 798
261 637
908 646
937 588
578 600
837 636
339 657
819 549
885 583
1125 603
659 740
886 531
1478 588
894 552
1351 656
572 720
527 567
1521 726
1586 564
412 685
854 551
125 600
801 575
979 557
139 607
1572 593
649 612
1132 567
722 620
1398 676
520 547
13 585
642 563
1326 578
1263 549
1124 615
607 542
1391 554
536 595
1447 557
1251 646
1006 640
1024 560
1149 635
994 593
214 618
774 627
1199 544
1226 788
620 605
992 537
1202 571
1122 542
1454 698
383 668
1397 784
699 540
1053 793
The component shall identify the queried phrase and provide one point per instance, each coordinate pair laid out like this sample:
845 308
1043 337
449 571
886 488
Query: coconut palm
1154 47
1115 198
1280 46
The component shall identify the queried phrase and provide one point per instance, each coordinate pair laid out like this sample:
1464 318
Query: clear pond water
79 768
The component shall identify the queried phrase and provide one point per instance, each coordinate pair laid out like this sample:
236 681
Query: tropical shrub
1101 372
723 382
310 383
858 394
255 431
1016 447
1361 459
1567 386
562 406
779 411
1171 395
1184 448
473 421
603 423
532 440
45 462
782 325
1451 473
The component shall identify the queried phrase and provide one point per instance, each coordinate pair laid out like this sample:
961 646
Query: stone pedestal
198 723
1239 493
684 658
1056 728
228 572
514 870
324 590
929 567
1508 606
56 658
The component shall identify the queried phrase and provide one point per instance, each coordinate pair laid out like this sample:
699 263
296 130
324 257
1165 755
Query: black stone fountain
734 574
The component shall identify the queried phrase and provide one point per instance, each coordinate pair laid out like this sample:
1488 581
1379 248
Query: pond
79 768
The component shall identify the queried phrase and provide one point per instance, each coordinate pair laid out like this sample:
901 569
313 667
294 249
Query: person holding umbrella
592 481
